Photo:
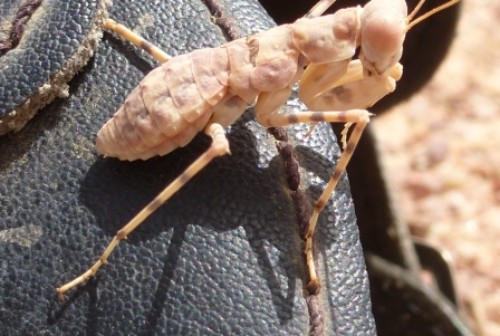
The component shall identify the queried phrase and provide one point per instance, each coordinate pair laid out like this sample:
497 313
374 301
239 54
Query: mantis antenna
430 13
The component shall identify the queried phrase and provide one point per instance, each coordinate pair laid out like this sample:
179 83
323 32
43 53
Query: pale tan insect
261 70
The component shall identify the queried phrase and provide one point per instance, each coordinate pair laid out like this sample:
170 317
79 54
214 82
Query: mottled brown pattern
166 110
175 101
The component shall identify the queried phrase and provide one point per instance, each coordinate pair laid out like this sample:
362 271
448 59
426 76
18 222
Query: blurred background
441 150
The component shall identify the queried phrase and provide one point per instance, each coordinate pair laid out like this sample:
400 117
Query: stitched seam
289 158
300 201
21 18
56 85
229 29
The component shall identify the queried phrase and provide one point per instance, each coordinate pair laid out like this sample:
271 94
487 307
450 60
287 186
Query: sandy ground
443 156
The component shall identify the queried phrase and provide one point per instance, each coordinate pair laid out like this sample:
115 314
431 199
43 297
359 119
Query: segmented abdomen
176 100
168 108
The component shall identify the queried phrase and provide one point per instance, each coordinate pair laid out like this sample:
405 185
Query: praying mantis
209 89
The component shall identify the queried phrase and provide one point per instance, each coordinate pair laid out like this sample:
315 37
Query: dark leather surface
51 38
55 42
224 256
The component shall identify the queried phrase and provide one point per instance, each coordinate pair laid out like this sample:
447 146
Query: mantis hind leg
137 40
219 147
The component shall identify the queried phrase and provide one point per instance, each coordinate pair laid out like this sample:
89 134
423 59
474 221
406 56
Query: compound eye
382 36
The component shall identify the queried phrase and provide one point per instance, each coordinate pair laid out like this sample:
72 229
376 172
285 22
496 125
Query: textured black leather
54 44
224 256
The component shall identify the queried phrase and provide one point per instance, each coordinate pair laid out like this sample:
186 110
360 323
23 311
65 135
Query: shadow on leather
257 214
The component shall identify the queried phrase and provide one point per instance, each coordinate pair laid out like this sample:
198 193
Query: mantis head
384 24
